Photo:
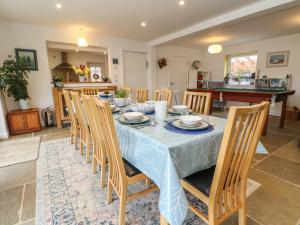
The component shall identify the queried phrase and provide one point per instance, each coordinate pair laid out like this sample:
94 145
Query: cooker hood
64 64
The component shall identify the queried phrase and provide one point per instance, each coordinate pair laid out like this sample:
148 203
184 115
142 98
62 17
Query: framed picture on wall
275 59
30 57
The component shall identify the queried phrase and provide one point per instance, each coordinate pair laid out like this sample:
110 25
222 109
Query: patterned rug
19 151
69 194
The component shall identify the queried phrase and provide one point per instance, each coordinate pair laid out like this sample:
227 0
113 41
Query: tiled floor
276 202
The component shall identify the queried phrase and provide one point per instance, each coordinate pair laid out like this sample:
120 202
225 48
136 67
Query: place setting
186 123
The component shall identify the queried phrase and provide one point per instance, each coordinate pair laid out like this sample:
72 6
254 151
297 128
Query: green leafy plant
13 78
120 94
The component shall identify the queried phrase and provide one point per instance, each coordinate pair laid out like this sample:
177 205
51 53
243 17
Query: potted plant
13 80
120 98
57 81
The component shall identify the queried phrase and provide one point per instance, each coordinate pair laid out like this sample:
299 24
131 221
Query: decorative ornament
196 64
162 62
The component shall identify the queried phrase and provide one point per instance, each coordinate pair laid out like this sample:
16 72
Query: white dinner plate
171 111
179 124
143 119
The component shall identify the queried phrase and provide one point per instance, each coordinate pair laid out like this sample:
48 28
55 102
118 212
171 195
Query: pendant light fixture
82 42
215 48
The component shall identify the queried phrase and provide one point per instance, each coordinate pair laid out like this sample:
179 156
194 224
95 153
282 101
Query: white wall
215 63
15 35
3 127
163 75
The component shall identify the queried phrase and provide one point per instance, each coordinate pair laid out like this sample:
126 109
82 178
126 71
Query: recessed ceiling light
143 24
181 2
58 5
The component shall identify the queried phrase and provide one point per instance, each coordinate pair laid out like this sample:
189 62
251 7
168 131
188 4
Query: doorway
179 77
135 69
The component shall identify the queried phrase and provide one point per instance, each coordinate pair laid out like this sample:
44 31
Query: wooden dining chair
198 102
85 135
127 90
121 172
142 94
223 187
90 91
74 129
163 95
99 156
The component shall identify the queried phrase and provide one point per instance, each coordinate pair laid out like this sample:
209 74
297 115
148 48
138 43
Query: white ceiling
120 18
271 25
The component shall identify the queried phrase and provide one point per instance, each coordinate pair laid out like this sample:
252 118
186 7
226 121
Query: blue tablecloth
166 157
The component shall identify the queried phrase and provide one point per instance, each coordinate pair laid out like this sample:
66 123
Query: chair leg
72 138
94 165
122 209
109 192
88 146
242 215
76 140
103 173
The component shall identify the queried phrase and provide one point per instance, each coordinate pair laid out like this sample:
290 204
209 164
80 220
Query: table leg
283 110
163 220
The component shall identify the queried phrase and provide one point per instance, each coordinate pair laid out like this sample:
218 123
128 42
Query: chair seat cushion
202 180
130 169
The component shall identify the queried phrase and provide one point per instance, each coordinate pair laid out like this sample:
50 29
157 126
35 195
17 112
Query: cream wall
215 63
163 75
15 35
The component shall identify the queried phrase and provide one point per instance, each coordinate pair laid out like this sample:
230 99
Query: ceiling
120 18
271 25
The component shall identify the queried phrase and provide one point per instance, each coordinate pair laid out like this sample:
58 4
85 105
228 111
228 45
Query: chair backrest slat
163 95
80 113
198 102
142 94
106 129
240 140
90 91
70 107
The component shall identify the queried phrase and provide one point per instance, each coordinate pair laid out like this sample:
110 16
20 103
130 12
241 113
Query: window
240 69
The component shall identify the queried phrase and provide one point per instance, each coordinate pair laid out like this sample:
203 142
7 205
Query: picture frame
278 59
30 57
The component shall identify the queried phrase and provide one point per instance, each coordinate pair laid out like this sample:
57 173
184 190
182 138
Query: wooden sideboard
61 113
24 121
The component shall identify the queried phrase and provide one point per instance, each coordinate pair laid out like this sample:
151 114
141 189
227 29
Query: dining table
166 156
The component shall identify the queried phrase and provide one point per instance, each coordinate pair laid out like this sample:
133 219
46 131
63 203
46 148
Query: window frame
228 58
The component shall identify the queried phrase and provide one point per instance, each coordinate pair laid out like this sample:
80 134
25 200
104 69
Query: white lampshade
215 49
82 42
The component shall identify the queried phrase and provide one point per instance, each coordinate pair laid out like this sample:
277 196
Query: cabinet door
63 106
17 122
32 120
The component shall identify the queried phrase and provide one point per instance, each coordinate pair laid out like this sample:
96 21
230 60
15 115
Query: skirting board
4 135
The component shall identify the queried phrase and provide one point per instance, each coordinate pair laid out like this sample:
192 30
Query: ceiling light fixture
215 48
181 2
58 5
82 42
143 24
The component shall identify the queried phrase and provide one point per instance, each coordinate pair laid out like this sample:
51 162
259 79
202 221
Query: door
135 69
17 122
32 120
178 77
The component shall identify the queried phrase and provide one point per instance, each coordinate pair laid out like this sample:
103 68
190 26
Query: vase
24 104
82 78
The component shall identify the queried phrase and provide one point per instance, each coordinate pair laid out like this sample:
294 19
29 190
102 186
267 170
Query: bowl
112 107
180 108
191 120
133 116
142 107
150 102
